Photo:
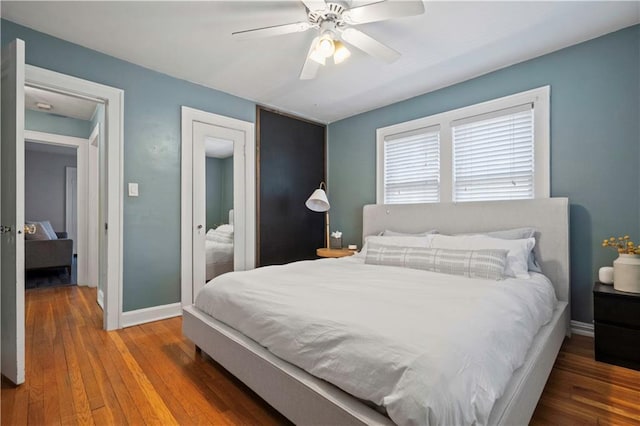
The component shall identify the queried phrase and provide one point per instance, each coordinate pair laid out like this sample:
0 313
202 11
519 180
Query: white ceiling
217 148
451 42
64 105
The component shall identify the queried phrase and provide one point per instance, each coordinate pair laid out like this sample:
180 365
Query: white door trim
189 116
93 223
114 137
70 221
80 144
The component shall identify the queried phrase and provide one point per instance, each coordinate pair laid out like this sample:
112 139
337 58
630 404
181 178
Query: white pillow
220 236
390 233
394 241
517 258
514 234
225 227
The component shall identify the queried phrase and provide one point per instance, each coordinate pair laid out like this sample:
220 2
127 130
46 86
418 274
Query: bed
306 399
219 258
219 249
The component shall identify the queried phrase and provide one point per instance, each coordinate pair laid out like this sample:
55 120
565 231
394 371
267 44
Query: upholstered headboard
550 217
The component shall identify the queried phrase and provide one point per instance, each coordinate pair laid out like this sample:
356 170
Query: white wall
45 186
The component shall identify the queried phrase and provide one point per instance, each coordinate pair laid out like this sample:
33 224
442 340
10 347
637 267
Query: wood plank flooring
150 375
143 375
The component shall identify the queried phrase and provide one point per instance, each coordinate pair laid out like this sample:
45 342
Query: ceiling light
42 105
325 46
341 52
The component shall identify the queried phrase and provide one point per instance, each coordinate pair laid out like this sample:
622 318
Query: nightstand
617 326
329 252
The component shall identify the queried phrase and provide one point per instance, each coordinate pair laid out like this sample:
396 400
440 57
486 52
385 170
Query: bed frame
305 399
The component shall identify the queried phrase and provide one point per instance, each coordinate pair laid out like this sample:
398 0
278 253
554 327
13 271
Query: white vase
626 273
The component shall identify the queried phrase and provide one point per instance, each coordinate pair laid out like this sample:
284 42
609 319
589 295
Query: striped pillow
485 264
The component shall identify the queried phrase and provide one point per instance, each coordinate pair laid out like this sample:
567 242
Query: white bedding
219 258
430 348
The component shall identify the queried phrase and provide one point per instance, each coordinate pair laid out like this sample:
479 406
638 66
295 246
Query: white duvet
217 252
430 348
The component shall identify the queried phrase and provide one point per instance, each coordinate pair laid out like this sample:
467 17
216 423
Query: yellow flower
626 237
612 239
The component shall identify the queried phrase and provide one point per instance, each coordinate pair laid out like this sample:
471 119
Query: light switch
133 189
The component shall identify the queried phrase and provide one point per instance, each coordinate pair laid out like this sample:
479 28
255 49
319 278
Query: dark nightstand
617 326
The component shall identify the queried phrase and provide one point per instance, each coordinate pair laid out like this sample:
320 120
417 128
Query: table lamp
318 202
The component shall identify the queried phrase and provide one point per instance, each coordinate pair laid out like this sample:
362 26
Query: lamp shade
318 201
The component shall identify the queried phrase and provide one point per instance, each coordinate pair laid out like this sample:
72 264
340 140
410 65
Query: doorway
57 127
110 175
49 256
233 221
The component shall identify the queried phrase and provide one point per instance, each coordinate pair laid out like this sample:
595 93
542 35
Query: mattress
428 348
219 258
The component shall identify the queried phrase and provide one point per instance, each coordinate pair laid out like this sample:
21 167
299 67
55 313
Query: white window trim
540 97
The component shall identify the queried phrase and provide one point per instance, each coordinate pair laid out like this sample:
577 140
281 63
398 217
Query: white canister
626 273
605 275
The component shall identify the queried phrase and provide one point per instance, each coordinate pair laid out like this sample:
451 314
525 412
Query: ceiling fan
334 23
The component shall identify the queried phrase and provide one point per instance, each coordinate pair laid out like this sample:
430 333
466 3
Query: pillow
220 236
517 258
49 229
225 228
485 264
393 241
40 234
516 234
389 233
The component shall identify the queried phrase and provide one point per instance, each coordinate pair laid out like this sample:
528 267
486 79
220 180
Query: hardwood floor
149 374
582 391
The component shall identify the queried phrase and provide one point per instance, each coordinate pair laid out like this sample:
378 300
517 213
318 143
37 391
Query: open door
12 212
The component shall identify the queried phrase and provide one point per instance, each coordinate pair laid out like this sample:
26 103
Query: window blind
412 167
493 155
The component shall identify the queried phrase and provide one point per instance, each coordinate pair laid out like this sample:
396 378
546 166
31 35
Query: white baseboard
155 313
581 328
101 299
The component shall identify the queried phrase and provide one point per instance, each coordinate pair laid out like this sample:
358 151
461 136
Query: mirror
220 236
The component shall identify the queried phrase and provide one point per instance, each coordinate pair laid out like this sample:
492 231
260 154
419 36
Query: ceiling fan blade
369 45
310 67
383 10
296 27
315 4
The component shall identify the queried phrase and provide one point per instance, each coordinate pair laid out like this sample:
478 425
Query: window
412 167
493 156
496 150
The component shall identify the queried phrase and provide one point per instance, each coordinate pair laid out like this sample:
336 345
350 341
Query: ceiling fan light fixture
341 52
325 46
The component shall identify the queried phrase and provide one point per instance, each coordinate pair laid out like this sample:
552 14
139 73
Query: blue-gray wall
595 138
152 104
45 184
227 188
51 123
219 190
